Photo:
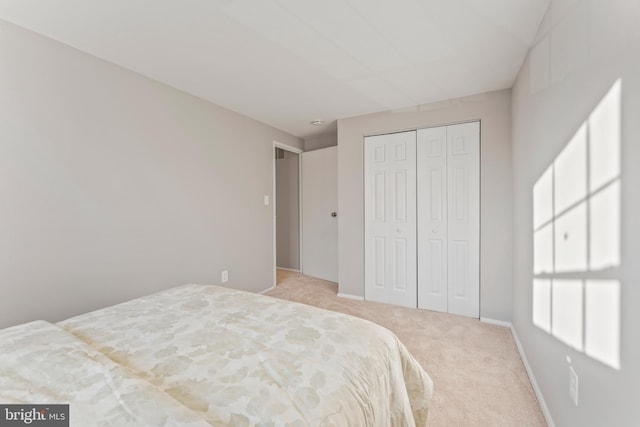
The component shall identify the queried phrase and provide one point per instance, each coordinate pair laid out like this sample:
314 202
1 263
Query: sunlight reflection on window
570 167
543 250
567 312
602 328
576 237
541 304
604 139
571 240
604 228
543 199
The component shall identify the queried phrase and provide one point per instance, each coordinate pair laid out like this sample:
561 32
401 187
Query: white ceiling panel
407 27
501 13
340 23
272 21
426 82
560 8
287 62
383 93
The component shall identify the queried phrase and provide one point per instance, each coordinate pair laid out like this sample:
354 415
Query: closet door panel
376 218
432 218
463 243
390 218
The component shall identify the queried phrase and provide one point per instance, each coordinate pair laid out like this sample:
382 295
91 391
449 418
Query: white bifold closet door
390 218
422 218
448 192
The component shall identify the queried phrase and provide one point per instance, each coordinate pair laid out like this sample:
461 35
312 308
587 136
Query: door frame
299 152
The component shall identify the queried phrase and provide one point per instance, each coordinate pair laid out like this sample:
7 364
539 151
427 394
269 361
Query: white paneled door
319 213
390 218
449 219
432 219
463 189
422 218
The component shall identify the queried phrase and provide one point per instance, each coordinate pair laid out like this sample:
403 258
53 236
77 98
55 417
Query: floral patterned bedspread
241 359
244 359
42 364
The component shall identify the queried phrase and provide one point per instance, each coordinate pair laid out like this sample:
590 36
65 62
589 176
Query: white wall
493 109
288 211
113 185
583 48
327 139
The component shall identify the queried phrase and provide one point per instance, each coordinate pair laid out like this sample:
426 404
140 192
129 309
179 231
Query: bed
207 355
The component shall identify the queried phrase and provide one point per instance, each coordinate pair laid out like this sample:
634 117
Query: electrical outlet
573 385
225 276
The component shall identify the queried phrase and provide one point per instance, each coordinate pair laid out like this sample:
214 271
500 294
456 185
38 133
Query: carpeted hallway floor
479 379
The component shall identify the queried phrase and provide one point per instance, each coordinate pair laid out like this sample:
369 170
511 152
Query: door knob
334 214
434 231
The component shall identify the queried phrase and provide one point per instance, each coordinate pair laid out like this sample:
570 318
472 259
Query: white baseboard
532 379
353 297
495 322
288 269
267 290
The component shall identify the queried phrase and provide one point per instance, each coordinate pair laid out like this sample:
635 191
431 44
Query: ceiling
287 62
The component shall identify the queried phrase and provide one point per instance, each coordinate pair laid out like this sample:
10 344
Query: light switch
266 200
573 385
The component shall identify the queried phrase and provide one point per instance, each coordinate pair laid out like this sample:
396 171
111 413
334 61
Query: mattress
205 354
42 364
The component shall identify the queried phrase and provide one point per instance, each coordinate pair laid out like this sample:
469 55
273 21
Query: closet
422 218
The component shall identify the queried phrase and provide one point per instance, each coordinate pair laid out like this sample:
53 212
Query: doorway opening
286 209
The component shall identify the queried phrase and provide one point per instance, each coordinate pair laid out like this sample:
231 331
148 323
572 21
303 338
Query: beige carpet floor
479 378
